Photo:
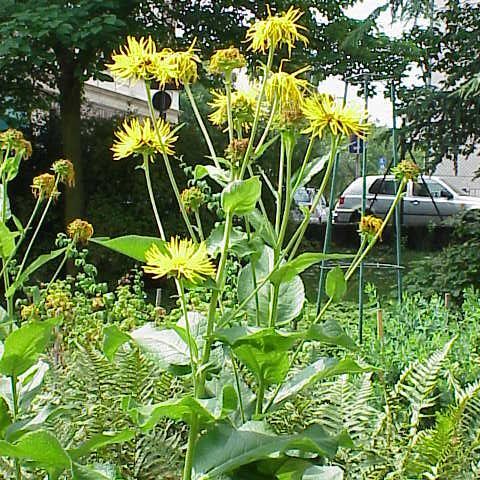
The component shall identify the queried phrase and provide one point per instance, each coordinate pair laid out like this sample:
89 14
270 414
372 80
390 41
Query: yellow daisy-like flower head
183 64
276 31
135 61
181 259
243 103
141 138
288 91
406 169
370 225
44 186
324 113
65 171
80 231
226 60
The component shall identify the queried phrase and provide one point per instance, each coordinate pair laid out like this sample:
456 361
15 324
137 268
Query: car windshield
302 196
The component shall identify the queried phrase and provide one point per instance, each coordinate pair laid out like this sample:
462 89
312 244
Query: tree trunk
70 116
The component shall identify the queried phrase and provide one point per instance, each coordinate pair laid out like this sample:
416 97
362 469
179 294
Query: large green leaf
221 176
262 227
166 346
40 447
291 294
224 449
321 369
23 347
33 267
241 196
5 417
335 284
93 472
7 240
101 440
113 339
216 238
330 332
133 246
290 269
323 473
312 168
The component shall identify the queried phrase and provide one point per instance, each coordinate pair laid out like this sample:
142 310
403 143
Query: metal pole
361 279
398 208
328 229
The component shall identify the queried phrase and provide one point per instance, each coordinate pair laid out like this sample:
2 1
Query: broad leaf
7 240
5 417
323 473
224 449
330 332
133 246
166 346
335 285
241 196
321 369
93 472
40 447
197 323
262 227
101 440
23 347
299 178
290 269
33 267
113 339
215 239
220 175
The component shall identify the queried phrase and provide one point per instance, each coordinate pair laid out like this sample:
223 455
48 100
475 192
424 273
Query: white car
426 202
303 197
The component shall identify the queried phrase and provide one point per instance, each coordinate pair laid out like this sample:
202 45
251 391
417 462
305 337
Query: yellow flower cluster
142 138
140 60
243 104
226 60
65 171
181 259
325 114
44 186
370 225
14 141
80 231
58 301
276 31
406 169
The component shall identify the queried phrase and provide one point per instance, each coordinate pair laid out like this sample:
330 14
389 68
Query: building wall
463 179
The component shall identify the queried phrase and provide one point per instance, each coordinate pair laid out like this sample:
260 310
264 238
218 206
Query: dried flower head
324 113
243 104
44 186
226 60
275 31
181 259
136 138
192 198
236 149
136 59
370 225
13 141
407 170
80 231
65 171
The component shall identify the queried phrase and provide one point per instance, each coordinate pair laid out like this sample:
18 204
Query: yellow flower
406 169
325 113
44 186
65 171
226 60
183 65
370 225
80 231
137 138
192 199
14 141
275 31
243 103
182 259
135 61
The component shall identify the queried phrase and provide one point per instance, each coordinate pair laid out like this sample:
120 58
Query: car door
380 196
427 203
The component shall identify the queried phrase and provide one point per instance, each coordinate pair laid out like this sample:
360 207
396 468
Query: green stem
254 277
58 270
228 91
256 119
267 128
279 199
37 229
146 170
202 125
308 154
199 225
260 398
13 384
192 441
239 390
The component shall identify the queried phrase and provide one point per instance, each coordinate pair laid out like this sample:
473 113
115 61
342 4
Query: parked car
425 202
304 197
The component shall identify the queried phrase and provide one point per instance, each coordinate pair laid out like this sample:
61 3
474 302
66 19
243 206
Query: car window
421 189
302 196
382 186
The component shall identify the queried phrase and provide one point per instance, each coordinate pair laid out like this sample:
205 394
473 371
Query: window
421 189
383 187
